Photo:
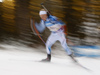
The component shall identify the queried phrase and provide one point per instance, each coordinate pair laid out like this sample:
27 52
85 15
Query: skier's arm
40 26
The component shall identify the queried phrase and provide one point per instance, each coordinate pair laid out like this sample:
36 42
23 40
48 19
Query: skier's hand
65 29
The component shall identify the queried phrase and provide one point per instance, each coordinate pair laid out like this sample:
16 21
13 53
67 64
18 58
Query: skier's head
43 14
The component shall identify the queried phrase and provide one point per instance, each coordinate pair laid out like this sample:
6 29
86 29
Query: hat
42 12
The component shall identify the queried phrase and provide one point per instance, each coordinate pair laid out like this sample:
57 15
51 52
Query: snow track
20 62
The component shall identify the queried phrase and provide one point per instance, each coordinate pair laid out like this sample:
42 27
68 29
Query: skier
56 27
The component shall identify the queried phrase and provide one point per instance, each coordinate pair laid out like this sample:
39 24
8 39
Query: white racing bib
54 27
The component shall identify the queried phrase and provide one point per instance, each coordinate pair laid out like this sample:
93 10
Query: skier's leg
63 42
51 40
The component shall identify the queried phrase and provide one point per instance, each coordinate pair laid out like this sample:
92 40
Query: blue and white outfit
57 33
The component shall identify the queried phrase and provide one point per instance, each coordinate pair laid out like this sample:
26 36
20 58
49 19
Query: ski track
14 61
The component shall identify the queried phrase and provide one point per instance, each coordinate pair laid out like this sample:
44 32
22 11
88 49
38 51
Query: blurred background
81 16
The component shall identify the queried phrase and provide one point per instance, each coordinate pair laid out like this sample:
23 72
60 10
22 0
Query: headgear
42 12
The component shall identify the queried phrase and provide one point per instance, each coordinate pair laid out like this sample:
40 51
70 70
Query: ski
77 63
83 66
43 61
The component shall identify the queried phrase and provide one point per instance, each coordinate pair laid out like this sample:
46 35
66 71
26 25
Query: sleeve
55 20
40 26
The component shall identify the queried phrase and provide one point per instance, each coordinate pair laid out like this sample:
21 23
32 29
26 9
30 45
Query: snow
22 60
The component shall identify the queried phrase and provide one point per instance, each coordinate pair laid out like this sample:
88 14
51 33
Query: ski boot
48 59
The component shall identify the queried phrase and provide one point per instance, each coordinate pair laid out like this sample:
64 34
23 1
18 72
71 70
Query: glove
65 29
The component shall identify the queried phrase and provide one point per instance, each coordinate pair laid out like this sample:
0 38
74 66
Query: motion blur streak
82 18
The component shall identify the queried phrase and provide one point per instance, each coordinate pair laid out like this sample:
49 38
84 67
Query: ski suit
57 33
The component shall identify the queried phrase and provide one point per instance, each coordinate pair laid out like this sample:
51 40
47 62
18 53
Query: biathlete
56 27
